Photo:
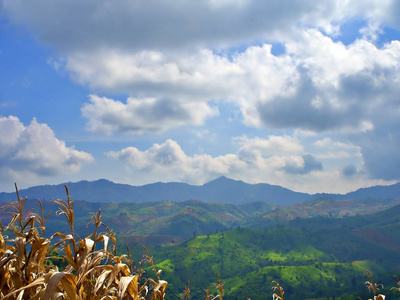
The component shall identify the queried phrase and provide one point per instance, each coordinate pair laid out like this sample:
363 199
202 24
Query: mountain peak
223 179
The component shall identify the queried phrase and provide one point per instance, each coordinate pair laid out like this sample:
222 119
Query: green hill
155 223
329 207
309 263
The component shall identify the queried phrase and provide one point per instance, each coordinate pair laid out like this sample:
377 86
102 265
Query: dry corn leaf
13 219
2 246
129 284
276 297
39 281
68 283
52 284
100 280
159 290
20 245
68 254
118 268
38 254
85 246
94 267
106 240
20 295
5 260
65 281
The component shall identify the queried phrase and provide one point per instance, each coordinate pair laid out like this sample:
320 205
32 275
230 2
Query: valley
318 248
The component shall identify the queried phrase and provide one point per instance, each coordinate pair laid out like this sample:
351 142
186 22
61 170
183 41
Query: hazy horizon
166 182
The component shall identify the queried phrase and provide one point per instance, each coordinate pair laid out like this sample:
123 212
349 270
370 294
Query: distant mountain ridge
220 190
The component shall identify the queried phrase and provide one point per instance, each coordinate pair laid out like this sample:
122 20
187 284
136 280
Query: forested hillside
310 263
316 249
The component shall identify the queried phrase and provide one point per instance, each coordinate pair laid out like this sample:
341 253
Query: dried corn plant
277 288
186 292
373 288
93 269
396 288
219 287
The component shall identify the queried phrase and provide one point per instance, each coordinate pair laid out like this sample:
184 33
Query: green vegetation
308 264
316 257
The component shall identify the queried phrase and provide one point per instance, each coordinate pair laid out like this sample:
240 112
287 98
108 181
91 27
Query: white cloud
329 86
154 50
272 145
341 88
330 149
248 77
257 151
143 115
328 61
168 162
191 75
73 26
34 150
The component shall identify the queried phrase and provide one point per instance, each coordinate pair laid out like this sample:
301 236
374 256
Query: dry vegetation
91 267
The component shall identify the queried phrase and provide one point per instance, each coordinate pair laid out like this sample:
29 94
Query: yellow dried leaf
68 254
118 268
20 245
2 246
68 283
100 280
159 290
129 284
38 281
105 239
64 281
21 294
37 254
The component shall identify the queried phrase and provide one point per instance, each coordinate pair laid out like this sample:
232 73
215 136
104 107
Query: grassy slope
333 208
307 263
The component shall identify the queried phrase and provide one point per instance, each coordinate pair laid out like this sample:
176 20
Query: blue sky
302 94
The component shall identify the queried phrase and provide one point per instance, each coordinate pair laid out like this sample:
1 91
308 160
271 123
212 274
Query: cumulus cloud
143 115
34 149
339 86
254 157
307 163
198 75
330 149
160 51
318 85
73 25
167 161
256 151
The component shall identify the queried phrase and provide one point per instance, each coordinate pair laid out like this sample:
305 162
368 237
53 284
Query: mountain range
220 190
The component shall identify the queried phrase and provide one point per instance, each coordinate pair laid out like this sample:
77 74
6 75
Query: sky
302 94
